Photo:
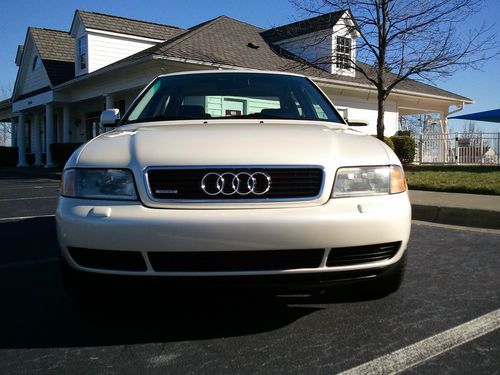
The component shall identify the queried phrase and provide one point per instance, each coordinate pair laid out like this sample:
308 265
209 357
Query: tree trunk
380 115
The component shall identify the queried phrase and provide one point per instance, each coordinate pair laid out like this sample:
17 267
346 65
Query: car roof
232 71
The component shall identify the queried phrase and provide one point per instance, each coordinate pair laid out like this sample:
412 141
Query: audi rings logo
242 183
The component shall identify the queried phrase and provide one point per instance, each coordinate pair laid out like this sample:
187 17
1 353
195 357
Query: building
66 78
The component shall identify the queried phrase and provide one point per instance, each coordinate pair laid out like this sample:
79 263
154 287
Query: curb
457 216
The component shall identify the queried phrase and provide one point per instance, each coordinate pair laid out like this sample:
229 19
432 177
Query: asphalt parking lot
452 281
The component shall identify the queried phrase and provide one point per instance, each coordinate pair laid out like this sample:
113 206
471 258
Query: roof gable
121 25
303 27
57 50
28 79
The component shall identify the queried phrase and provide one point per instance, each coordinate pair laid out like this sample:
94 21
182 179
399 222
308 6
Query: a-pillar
49 134
21 140
66 123
37 140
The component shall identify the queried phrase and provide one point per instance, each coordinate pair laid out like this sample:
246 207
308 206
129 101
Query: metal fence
458 148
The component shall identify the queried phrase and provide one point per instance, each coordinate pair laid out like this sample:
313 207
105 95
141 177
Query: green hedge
61 152
404 147
388 142
8 156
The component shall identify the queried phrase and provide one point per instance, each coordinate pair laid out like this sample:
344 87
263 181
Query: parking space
452 279
28 194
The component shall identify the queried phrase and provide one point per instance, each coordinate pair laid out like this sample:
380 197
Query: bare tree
402 39
6 127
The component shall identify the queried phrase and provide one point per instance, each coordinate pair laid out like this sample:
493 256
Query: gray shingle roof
224 41
56 49
325 21
127 26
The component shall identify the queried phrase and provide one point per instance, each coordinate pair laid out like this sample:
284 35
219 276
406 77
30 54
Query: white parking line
27 199
29 263
456 227
23 217
428 348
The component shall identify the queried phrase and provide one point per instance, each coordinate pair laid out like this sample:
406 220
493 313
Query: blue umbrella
489 116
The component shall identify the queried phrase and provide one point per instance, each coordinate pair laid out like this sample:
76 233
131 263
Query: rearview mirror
110 117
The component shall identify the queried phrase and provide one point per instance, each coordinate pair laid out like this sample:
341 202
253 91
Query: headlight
365 181
115 184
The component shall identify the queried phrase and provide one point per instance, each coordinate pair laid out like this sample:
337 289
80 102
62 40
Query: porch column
110 101
21 141
66 123
49 134
37 140
13 131
443 120
446 155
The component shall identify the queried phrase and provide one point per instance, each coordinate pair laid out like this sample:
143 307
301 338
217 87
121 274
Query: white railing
458 148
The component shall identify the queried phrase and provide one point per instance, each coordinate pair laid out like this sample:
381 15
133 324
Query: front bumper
132 227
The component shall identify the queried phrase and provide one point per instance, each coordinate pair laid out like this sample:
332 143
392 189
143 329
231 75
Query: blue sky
483 86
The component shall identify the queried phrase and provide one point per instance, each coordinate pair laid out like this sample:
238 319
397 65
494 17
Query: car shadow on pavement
36 312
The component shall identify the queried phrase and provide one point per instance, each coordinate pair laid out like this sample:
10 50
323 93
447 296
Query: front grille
186 184
347 256
108 259
220 261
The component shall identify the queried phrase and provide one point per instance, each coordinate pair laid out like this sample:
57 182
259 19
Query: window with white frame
343 53
82 53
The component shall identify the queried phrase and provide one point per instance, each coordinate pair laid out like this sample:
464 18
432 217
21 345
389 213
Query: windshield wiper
164 118
257 115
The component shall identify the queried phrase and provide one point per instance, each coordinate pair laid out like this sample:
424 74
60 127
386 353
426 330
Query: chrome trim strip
223 200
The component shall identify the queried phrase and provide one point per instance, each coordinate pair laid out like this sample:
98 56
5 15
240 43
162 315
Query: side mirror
110 117
356 122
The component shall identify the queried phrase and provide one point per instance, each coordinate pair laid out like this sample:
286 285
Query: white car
239 176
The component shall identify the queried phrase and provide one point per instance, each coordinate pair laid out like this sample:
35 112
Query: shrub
8 156
388 142
61 152
404 147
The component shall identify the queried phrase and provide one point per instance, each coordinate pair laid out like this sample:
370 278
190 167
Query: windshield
232 95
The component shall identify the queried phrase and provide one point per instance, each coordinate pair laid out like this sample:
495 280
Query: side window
144 106
82 53
315 106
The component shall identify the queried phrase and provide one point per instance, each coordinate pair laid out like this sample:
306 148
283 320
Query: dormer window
82 53
343 53
37 63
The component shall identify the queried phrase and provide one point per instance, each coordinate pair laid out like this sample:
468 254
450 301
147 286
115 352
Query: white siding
358 110
314 47
319 47
31 80
107 49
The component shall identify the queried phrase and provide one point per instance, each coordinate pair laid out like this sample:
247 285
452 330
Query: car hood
238 143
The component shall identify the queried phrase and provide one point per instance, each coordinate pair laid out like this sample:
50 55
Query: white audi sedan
234 176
